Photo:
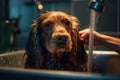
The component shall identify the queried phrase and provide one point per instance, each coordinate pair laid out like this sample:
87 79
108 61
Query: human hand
84 36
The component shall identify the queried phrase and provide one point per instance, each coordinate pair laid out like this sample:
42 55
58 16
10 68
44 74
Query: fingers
84 34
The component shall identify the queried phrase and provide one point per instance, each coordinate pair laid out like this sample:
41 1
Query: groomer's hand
84 36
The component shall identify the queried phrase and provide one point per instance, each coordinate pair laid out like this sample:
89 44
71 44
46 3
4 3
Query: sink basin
105 66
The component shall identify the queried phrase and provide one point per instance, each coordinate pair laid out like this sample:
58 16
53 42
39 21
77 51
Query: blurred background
16 16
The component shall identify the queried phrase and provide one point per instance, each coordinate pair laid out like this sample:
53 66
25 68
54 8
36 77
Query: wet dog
54 43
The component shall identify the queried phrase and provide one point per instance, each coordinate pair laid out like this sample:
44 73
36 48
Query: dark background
24 12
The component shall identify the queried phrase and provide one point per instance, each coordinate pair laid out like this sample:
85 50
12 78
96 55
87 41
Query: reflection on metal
102 61
29 74
13 59
97 5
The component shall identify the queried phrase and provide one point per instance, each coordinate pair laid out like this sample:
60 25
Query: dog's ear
82 52
34 49
78 55
75 23
78 45
81 49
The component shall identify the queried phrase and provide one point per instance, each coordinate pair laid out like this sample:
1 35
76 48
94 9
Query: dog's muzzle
61 41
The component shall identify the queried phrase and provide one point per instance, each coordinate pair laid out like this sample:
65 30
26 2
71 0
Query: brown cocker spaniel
54 44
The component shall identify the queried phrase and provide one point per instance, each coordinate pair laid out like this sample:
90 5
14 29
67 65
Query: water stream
93 20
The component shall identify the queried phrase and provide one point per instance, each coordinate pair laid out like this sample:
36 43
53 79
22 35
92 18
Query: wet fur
39 57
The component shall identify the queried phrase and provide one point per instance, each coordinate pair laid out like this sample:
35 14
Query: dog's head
56 29
56 33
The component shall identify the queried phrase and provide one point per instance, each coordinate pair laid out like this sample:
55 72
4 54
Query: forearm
110 42
101 40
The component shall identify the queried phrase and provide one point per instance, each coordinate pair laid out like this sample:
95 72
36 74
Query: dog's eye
67 23
48 26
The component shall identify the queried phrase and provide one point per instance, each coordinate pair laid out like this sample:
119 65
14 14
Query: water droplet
19 62
1 58
9 62
3 61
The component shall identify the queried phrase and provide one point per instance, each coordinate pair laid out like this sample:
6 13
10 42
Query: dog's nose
62 38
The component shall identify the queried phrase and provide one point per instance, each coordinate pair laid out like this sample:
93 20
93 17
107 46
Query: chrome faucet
98 5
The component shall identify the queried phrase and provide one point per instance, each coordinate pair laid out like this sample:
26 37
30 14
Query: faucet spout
97 5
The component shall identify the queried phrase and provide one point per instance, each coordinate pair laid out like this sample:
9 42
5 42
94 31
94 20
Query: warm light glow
40 6
7 21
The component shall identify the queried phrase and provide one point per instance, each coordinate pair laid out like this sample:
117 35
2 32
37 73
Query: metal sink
104 62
